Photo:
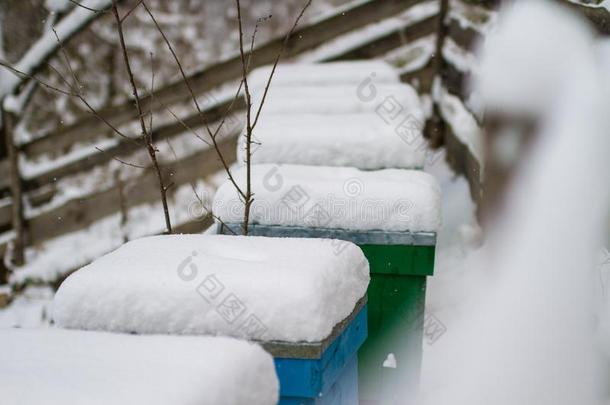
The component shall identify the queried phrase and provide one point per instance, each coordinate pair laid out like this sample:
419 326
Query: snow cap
250 287
345 198
115 368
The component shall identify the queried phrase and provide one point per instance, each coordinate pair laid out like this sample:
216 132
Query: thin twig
77 87
128 13
146 135
213 135
229 108
184 125
248 198
44 84
152 92
92 110
253 39
69 92
120 160
179 64
192 184
277 59
77 90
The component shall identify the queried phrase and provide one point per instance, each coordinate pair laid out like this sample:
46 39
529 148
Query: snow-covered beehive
361 140
283 289
335 197
337 114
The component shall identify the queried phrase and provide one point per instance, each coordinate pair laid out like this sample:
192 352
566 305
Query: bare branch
192 184
146 135
214 134
277 59
131 10
44 49
77 88
152 92
248 196
229 109
185 126
253 39
120 160
179 64
37 80
89 107
71 92
201 202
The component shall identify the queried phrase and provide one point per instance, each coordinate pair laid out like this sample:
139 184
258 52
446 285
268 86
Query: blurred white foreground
520 312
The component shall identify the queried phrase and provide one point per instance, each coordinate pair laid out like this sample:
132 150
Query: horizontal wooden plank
4 244
456 81
4 178
307 37
467 38
459 84
421 79
197 226
392 40
598 16
462 161
483 4
80 213
5 214
125 147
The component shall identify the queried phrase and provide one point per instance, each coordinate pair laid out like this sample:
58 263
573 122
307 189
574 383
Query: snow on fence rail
465 27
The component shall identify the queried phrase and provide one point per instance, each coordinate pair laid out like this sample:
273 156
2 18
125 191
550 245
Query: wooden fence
41 188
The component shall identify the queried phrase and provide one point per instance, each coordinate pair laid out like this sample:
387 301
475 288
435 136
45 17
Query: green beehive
399 264
397 294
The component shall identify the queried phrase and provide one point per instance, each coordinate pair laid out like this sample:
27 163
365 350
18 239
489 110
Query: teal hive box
322 373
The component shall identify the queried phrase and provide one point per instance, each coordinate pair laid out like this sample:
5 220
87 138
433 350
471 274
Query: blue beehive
325 372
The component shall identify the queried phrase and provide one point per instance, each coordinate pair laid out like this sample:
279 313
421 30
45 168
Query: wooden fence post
3 269
18 222
435 126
